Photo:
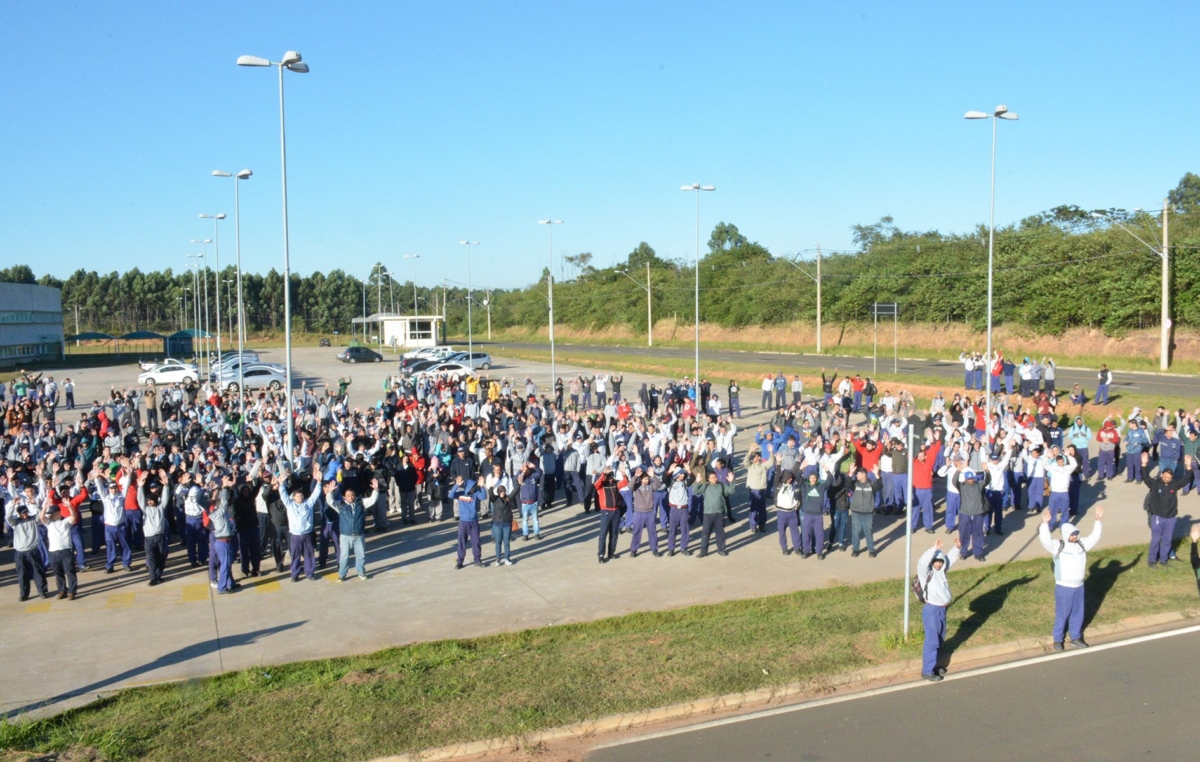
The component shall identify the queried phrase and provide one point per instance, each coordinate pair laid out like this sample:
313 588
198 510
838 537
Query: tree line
1059 269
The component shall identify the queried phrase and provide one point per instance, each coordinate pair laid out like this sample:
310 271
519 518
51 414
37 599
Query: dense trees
1055 270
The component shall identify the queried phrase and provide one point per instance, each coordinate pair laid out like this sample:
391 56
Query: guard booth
403 332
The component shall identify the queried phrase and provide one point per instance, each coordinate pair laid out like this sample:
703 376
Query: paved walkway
121 632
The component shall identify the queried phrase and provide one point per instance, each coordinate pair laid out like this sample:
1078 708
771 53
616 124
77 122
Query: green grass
430 694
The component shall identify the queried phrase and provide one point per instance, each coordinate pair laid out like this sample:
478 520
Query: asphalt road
1130 702
1140 383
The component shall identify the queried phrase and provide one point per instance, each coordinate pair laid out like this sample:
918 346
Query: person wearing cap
1070 568
116 533
787 504
1137 441
1162 503
864 492
972 508
812 522
931 573
503 511
995 485
528 480
153 500
756 486
467 495
300 525
58 518
715 495
22 519
643 512
610 504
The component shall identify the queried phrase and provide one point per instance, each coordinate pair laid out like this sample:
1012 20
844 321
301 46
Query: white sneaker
362 576
507 562
213 585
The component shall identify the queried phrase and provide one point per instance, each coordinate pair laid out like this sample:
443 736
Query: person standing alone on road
931 571
1070 568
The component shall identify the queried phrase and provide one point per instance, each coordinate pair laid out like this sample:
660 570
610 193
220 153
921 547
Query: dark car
359 354
325 343
418 365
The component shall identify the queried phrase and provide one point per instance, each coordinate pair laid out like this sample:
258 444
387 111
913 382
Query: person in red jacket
856 386
1109 438
922 479
608 494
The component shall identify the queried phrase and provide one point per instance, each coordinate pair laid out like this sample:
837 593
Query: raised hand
1099 512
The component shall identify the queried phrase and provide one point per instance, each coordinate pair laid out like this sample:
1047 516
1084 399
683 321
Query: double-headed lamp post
1164 349
245 174
550 294
204 256
1001 112
291 61
815 279
414 258
649 311
216 218
697 187
470 334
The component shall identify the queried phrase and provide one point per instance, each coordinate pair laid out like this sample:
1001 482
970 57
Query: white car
230 369
448 368
257 377
170 362
430 353
170 374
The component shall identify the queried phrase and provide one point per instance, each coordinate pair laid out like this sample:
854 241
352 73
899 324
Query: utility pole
1164 361
818 298
649 311
488 303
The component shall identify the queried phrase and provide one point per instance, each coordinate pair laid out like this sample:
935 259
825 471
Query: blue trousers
1036 494
1106 464
1085 463
758 508
899 490
678 527
812 532
1161 533
197 541
223 550
970 533
925 503
995 514
953 501
114 536
787 523
1060 506
502 539
839 528
77 543
934 619
529 514
1068 612
1101 394
137 536
1133 466
643 521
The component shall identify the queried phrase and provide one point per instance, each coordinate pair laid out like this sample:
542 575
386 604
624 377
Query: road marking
895 688
268 587
192 593
120 601
38 608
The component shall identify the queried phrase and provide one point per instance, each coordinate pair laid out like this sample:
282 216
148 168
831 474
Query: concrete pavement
121 632
1119 702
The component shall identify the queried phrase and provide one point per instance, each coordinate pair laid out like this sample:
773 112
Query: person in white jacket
1070 568
931 571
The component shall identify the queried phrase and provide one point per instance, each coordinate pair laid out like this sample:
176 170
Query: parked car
430 353
359 354
449 368
416 366
170 362
325 343
475 359
258 377
231 367
222 376
170 374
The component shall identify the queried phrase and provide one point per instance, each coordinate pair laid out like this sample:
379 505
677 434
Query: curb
763 696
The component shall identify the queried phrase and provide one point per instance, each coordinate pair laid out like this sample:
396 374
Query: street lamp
1164 349
379 298
237 236
649 313
292 62
697 187
1001 112
470 335
817 280
229 300
414 258
204 255
550 289
217 270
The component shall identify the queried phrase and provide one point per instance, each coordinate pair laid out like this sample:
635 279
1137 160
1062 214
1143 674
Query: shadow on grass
1100 581
187 653
982 608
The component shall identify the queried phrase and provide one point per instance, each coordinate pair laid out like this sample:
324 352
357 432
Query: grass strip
430 694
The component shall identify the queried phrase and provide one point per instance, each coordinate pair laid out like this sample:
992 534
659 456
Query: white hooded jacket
1070 563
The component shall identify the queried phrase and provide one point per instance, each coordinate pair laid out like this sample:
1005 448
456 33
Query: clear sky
422 124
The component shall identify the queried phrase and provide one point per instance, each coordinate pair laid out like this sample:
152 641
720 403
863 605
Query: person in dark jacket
608 496
863 491
503 510
1163 505
245 519
971 510
352 525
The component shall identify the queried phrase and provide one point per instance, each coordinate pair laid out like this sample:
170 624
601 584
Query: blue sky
422 124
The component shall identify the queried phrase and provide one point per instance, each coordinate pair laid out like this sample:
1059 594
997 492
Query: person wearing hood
1163 506
1070 568
1080 435
1108 438
787 502
931 573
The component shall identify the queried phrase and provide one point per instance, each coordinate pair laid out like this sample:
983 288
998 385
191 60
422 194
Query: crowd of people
151 471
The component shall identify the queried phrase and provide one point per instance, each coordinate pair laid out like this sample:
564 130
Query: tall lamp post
470 334
217 271
204 256
1001 112
697 187
815 279
1164 349
245 174
550 292
649 312
414 258
291 61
